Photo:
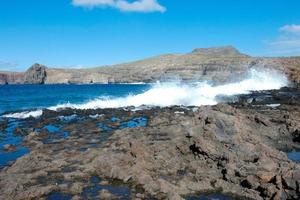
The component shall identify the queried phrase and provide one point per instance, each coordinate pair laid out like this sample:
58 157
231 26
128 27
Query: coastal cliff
217 65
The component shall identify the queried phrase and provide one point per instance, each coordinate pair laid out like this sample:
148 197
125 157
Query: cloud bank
288 41
292 29
8 66
123 5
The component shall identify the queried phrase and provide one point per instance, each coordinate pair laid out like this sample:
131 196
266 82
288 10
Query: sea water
22 101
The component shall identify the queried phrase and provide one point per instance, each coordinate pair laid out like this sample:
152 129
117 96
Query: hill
218 65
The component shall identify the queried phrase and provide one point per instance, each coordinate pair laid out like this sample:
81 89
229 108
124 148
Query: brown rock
106 195
9 147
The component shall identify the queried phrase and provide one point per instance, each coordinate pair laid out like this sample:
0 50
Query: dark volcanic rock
181 151
36 74
9 147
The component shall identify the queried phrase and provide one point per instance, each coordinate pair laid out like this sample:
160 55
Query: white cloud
288 41
93 3
292 29
8 66
123 5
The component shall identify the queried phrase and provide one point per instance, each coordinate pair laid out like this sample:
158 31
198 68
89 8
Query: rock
139 195
76 188
296 174
36 74
265 177
289 183
77 197
217 52
296 136
32 134
251 182
104 182
9 147
106 195
172 157
11 78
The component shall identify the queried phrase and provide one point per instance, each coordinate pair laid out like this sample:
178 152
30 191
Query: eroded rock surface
36 74
237 150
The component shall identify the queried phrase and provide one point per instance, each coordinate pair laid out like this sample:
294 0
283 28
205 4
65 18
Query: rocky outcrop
11 78
36 74
237 150
226 51
217 65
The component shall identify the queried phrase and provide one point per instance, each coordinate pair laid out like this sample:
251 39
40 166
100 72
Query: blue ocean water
26 97
8 137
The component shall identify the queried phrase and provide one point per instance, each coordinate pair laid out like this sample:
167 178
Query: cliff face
36 74
226 51
11 78
212 64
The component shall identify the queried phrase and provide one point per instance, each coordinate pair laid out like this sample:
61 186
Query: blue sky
86 33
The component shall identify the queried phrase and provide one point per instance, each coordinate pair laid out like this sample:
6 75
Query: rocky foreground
218 65
237 150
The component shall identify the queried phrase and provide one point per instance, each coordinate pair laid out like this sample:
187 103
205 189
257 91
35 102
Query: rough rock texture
36 74
236 150
219 65
11 78
226 51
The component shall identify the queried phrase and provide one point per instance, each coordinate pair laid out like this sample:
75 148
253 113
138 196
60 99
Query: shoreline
236 149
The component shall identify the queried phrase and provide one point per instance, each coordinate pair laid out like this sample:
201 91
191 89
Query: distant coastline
217 64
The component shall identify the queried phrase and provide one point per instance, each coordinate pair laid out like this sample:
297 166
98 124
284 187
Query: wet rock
212 149
76 188
104 182
106 195
251 182
140 196
9 147
77 197
289 183
296 136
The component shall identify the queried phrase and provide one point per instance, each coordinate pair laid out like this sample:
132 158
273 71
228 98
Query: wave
170 94
24 115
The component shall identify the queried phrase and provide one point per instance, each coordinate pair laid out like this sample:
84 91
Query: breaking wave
169 94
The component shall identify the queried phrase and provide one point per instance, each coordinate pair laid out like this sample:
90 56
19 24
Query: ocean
82 132
23 101
28 97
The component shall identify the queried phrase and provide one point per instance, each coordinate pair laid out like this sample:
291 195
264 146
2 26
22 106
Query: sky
89 33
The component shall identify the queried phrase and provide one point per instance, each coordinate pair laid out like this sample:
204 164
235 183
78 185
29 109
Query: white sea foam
169 94
24 115
273 105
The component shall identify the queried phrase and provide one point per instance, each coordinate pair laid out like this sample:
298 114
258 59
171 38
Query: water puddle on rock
59 196
210 197
105 128
118 190
294 156
69 118
116 124
132 123
135 122
54 134
11 144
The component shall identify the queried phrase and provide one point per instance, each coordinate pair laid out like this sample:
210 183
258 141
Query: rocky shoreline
232 150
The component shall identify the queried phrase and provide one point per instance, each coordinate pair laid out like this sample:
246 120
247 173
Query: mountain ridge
216 64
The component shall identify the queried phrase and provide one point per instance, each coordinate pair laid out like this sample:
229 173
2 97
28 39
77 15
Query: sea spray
170 94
